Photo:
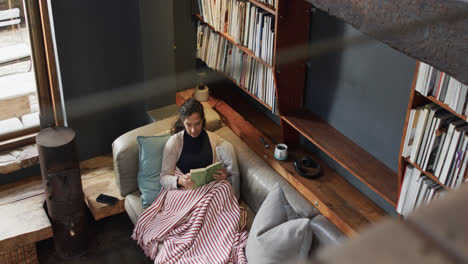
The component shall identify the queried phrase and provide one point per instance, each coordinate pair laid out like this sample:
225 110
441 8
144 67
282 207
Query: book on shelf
245 23
440 123
462 164
411 131
248 73
427 129
420 131
416 190
437 141
434 159
445 148
443 87
456 162
454 145
268 2
404 188
203 176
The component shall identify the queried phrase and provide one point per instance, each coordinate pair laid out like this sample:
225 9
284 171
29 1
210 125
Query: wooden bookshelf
415 100
243 48
348 154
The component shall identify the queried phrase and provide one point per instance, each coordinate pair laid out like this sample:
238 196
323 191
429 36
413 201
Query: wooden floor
109 242
23 219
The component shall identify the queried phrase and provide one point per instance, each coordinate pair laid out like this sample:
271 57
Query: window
28 73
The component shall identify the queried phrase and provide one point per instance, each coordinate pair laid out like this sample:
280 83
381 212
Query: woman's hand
220 174
185 181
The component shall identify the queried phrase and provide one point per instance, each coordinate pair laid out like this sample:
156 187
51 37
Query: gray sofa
256 176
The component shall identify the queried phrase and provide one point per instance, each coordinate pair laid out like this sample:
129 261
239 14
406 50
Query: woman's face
194 125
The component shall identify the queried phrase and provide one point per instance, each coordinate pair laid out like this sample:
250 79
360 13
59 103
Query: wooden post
60 171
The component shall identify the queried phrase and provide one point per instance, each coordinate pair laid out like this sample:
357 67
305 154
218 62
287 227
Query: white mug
281 152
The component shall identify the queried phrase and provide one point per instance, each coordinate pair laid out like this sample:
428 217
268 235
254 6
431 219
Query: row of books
268 2
248 25
215 13
416 190
432 82
219 54
437 141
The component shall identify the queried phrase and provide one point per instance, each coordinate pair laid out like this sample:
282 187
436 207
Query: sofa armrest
325 231
125 153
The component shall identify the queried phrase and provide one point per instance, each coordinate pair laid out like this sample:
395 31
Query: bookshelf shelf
247 92
445 106
263 6
428 174
243 48
452 177
348 154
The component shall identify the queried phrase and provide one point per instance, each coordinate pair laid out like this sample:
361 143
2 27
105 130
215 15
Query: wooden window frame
46 76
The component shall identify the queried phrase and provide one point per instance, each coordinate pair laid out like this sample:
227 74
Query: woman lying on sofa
185 224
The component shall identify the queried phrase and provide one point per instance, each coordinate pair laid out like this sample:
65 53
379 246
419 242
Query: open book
203 176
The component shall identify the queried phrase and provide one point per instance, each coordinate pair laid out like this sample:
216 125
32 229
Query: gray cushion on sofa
278 234
258 178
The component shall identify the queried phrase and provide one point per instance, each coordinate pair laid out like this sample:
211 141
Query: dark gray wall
185 44
362 90
99 49
157 27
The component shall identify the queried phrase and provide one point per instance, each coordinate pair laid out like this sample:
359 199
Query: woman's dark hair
189 107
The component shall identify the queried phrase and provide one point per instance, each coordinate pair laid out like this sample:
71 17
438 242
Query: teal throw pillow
149 166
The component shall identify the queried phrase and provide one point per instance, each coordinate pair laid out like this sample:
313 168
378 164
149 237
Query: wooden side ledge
97 175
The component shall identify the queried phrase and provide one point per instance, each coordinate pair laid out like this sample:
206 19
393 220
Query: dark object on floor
110 242
60 171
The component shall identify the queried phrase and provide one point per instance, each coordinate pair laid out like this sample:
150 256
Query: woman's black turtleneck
196 152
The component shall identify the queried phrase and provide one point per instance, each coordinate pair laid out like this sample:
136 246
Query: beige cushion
278 234
125 153
133 206
227 155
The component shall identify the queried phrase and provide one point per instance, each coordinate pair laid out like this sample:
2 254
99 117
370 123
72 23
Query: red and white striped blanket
202 225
